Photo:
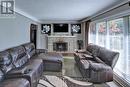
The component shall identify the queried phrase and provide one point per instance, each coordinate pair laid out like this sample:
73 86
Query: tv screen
61 28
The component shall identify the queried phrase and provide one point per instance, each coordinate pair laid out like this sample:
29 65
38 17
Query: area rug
64 81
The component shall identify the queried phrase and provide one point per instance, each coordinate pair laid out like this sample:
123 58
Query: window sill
121 81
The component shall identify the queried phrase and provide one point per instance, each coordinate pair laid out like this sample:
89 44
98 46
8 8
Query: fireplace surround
60 46
63 43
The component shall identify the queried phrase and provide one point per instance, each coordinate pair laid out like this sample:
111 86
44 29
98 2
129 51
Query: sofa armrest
80 51
99 67
41 51
87 52
19 73
16 71
84 51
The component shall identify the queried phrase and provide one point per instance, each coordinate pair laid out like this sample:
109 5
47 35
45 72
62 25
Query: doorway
33 34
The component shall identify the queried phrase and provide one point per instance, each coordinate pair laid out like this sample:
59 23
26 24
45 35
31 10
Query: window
101 33
116 28
127 59
116 42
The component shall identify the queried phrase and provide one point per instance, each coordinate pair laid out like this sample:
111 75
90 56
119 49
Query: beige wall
14 31
43 37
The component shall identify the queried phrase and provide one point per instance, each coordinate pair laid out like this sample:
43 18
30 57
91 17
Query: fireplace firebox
60 46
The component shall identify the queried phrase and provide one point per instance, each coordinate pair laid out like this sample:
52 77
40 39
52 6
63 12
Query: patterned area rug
65 81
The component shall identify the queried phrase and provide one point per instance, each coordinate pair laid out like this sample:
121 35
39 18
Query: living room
64 43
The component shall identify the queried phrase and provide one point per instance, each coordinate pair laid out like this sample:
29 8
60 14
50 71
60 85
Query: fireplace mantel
70 40
61 36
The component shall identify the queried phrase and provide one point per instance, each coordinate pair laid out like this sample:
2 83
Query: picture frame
76 28
45 28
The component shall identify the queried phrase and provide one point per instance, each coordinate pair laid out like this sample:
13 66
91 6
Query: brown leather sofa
51 61
96 63
20 67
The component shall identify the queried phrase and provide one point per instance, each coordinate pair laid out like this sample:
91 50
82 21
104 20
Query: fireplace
68 41
60 46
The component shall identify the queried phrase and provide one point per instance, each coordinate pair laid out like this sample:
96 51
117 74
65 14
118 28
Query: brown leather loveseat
20 67
96 63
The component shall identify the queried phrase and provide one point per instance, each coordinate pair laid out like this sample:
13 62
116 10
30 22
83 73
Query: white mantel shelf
61 36
71 40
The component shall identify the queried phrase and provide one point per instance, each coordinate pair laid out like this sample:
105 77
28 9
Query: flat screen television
60 28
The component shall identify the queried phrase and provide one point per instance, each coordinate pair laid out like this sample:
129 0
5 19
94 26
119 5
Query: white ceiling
62 10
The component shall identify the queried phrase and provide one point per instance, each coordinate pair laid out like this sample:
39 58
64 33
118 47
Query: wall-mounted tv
60 28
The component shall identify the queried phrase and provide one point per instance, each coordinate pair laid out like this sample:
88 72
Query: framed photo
76 28
46 28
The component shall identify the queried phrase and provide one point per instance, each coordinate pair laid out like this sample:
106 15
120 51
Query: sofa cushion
98 60
87 56
79 56
84 64
19 56
30 49
90 48
93 49
5 61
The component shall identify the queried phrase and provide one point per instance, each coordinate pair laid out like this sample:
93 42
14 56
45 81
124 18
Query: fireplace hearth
60 46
